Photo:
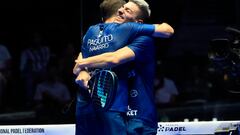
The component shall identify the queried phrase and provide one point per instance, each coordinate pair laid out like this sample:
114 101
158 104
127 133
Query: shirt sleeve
140 29
143 48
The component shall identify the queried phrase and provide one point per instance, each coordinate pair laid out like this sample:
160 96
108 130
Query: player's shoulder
94 26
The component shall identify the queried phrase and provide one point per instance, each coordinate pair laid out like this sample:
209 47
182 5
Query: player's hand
163 30
82 79
77 69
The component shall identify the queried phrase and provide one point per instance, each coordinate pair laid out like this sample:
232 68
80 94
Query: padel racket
103 87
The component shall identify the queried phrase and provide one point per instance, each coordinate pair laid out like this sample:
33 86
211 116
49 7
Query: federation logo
133 93
160 128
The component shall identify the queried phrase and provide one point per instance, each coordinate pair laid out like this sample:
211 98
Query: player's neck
110 20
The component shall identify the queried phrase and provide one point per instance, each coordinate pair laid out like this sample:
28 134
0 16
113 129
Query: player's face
128 13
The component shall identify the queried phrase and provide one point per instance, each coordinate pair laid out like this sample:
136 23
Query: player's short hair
144 8
109 8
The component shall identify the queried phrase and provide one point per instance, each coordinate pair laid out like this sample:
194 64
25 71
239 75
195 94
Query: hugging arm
118 57
107 60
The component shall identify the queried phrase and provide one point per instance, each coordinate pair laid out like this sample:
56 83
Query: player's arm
82 75
107 60
82 79
163 30
111 59
77 69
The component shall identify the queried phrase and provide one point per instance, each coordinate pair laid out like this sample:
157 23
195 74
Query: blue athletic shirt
109 37
141 98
